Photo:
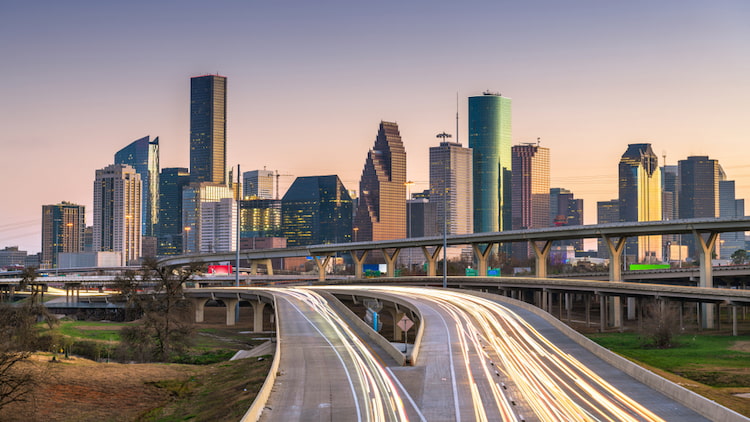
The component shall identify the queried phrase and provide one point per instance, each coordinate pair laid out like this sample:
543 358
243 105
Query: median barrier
256 409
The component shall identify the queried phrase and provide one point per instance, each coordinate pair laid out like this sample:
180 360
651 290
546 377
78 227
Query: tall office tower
381 213
490 139
143 155
171 182
258 184
260 218
451 190
62 231
606 212
117 212
730 207
194 197
529 192
218 225
670 186
566 210
699 192
422 215
640 199
208 125
316 210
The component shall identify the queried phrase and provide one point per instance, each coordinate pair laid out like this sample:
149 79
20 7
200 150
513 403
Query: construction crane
277 181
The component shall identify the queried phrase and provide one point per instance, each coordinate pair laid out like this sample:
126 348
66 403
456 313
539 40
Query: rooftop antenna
457 117
538 141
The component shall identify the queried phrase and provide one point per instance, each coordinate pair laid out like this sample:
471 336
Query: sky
309 82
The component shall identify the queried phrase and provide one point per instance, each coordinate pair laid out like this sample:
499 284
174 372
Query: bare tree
166 326
16 383
660 323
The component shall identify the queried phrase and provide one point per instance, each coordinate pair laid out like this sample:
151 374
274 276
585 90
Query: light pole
443 136
185 246
408 213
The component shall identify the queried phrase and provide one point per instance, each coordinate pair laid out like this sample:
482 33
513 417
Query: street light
408 213
443 136
187 239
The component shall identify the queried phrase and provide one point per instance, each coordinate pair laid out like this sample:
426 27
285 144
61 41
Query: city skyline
307 83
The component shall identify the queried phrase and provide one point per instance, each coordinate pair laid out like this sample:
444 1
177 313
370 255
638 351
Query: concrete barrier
682 395
381 341
253 414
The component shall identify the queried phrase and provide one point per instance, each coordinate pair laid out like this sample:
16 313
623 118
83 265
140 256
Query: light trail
554 385
383 401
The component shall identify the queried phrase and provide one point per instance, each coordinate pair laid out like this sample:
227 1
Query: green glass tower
490 139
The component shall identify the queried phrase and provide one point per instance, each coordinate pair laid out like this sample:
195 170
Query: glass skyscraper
62 231
381 212
171 183
143 156
208 125
640 199
316 210
117 212
490 139
451 188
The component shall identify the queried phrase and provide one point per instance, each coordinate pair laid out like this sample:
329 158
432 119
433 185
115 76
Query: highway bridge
474 357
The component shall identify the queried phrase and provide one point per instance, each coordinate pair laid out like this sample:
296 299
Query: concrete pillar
705 247
253 267
358 263
602 313
258 316
481 255
231 305
545 300
734 320
631 308
269 266
390 260
587 305
432 259
541 255
322 266
615 256
199 306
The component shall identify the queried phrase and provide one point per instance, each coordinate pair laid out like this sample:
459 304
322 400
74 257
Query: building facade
490 140
260 218
63 227
171 183
640 200
117 212
529 192
699 192
606 212
208 126
258 184
143 155
451 188
194 198
566 210
730 207
381 211
316 210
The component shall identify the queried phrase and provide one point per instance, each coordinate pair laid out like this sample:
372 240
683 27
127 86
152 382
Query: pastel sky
309 81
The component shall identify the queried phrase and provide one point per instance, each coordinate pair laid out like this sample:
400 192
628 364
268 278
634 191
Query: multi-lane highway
478 361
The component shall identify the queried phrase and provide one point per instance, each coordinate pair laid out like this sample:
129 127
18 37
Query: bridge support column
631 308
734 320
231 305
266 262
322 266
541 255
481 255
199 305
390 260
258 316
358 263
587 305
545 301
602 313
705 248
432 259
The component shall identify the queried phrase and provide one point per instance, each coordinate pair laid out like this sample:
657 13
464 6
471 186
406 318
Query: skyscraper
640 199
606 212
117 212
171 182
529 192
451 189
381 212
260 218
63 225
316 210
566 210
730 207
490 139
258 184
143 155
208 125
194 198
699 192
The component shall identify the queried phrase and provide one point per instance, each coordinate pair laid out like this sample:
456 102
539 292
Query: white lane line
346 370
406 393
453 369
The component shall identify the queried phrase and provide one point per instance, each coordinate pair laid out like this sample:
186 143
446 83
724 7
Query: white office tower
218 226
194 198
258 184
117 212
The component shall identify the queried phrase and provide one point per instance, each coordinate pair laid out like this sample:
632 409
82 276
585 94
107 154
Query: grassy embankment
714 366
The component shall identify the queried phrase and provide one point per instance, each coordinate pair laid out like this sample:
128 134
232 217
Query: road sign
405 323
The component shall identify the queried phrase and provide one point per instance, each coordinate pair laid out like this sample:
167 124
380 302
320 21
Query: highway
479 361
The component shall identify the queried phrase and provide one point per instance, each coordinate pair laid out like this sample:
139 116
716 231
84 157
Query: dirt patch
82 390
741 346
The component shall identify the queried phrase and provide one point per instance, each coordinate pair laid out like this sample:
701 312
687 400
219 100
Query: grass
714 366
87 330
224 391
